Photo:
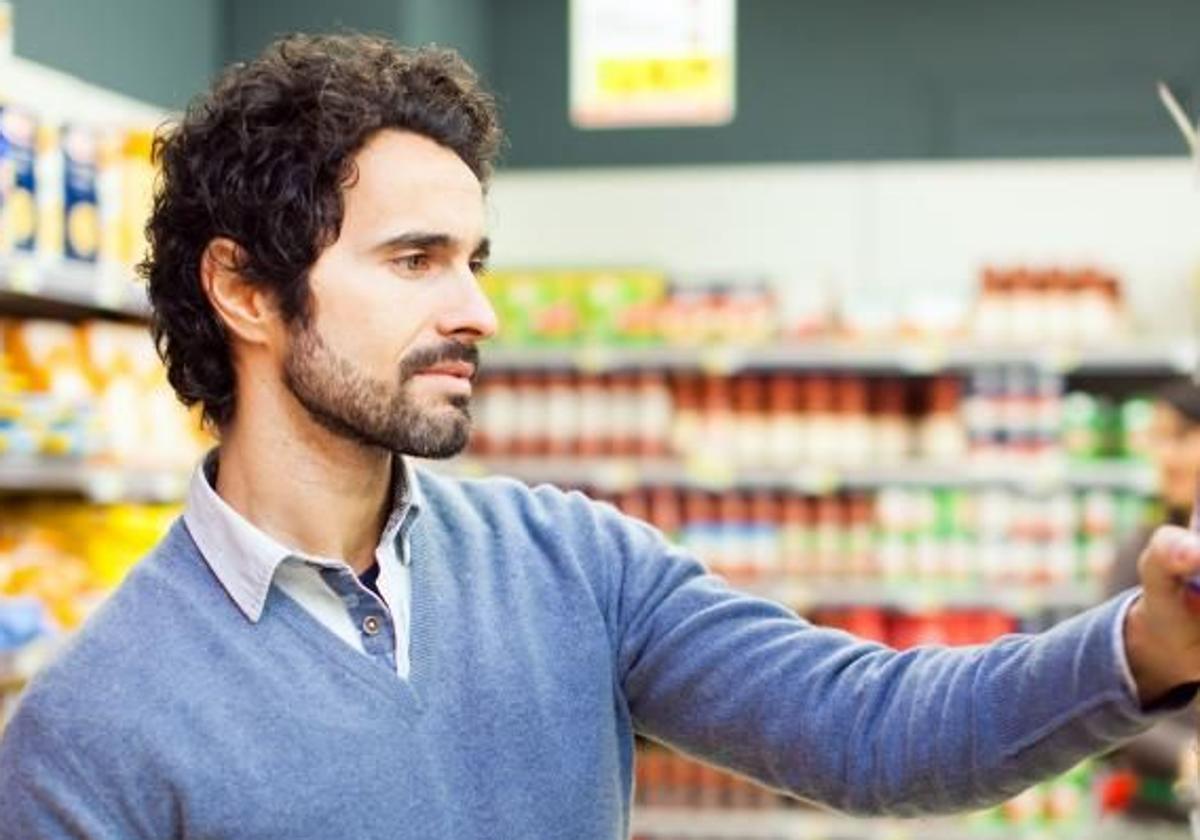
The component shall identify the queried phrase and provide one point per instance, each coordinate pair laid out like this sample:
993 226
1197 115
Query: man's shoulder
498 504
507 518
125 644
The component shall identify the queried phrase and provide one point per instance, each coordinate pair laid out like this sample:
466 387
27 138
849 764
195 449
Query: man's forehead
394 159
406 183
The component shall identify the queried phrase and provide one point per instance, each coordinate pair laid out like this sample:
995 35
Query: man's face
1176 442
389 354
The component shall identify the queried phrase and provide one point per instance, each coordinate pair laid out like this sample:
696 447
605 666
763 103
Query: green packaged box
621 306
535 306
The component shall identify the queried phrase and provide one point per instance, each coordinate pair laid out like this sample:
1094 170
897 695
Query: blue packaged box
18 130
81 196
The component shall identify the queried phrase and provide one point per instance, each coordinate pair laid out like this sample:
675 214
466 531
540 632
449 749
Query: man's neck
314 491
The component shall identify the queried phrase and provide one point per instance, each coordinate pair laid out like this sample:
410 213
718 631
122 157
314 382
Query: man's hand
1162 629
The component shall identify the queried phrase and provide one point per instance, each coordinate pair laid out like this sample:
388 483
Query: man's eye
478 267
415 262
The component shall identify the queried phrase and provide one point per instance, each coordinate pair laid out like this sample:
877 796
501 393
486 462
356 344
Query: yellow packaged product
49 355
137 193
18 137
109 189
49 195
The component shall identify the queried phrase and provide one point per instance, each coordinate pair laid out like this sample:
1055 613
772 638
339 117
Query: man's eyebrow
415 239
426 240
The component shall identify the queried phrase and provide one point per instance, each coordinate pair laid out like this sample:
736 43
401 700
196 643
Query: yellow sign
631 77
669 62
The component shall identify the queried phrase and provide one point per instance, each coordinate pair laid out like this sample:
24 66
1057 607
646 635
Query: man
335 644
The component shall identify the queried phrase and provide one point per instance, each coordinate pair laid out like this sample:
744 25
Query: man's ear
242 307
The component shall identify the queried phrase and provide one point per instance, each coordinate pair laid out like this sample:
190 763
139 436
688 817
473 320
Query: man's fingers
1194 520
1172 555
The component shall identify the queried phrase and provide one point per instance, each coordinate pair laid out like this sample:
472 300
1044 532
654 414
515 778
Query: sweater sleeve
44 792
744 683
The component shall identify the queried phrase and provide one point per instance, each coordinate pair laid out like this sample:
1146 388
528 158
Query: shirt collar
407 502
244 558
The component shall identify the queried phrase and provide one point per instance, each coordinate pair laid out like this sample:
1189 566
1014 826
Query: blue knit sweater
547 630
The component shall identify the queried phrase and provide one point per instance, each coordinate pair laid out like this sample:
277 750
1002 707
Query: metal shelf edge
78 285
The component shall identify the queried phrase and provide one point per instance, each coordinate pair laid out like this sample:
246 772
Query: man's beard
373 412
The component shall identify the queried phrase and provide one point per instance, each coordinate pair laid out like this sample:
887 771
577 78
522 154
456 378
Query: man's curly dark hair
262 159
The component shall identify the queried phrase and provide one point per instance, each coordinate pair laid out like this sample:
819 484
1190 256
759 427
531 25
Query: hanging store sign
642 63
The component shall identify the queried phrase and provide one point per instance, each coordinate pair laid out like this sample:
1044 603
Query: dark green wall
465 25
817 79
166 51
251 24
869 79
155 50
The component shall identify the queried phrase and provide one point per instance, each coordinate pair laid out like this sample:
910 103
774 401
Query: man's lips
462 370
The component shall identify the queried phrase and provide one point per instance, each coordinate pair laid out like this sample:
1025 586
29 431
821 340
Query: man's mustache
426 357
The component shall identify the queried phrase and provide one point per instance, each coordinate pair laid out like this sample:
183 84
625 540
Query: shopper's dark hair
1184 396
262 159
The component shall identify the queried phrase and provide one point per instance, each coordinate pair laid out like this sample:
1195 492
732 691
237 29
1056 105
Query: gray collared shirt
248 562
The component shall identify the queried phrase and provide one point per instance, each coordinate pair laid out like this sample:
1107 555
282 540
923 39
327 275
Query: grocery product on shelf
136 172
666 779
627 307
82 405
94 391
1096 427
81 198
713 313
1059 306
1013 412
58 560
899 536
18 184
1008 415
903 630
68 554
78 191
1025 306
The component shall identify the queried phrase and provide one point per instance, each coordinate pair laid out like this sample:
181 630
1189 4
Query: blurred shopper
1175 448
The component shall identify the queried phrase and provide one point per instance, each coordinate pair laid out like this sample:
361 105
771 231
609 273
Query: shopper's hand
1162 629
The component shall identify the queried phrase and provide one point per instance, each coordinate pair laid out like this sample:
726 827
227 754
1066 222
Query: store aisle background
849 83
882 156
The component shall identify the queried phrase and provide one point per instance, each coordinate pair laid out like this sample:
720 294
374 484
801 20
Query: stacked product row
617 307
93 391
59 558
907 628
909 536
1009 414
1022 306
666 779
1027 306
76 191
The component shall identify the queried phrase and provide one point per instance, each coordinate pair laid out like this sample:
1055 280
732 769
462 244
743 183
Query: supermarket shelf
65 285
777 824
1162 356
618 474
929 597
95 482
804 824
61 97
